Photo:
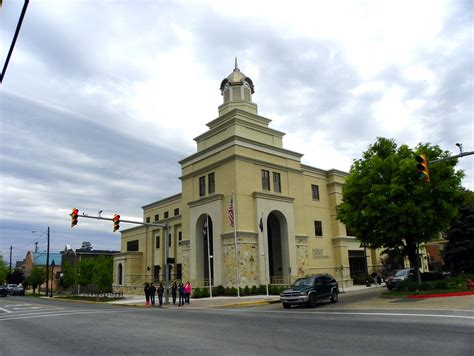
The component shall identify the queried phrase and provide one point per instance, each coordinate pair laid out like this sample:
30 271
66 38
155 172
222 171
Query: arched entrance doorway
278 251
205 250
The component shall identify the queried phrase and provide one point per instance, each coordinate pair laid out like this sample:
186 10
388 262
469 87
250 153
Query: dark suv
310 290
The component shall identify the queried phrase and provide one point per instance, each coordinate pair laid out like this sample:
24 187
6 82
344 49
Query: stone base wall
248 261
301 255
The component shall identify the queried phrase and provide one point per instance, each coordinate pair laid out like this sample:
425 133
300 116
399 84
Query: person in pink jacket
187 291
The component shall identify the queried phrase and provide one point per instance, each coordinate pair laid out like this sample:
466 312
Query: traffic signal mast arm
121 220
452 157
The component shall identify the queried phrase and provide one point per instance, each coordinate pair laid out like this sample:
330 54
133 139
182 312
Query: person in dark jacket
152 291
174 289
160 294
147 293
181 299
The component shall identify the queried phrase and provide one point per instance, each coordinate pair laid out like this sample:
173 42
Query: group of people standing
182 291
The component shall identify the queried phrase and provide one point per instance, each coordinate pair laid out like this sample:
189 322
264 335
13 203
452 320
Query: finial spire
236 65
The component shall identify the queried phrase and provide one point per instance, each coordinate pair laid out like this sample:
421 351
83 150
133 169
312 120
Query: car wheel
334 296
312 300
286 305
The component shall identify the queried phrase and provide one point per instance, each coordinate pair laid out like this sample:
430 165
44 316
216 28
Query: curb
439 295
256 302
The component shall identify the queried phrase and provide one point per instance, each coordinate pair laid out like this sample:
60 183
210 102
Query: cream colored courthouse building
240 156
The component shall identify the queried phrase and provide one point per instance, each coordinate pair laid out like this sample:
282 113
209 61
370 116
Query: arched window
119 273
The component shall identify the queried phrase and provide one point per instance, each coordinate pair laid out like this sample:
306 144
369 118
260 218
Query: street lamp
52 278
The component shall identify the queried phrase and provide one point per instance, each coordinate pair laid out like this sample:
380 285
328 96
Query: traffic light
74 216
116 220
423 172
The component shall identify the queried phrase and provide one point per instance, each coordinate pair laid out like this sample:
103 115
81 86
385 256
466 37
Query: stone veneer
301 255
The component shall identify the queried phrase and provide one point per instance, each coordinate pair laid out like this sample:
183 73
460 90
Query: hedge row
231 291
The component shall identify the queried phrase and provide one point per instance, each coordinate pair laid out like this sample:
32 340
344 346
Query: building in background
38 259
74 258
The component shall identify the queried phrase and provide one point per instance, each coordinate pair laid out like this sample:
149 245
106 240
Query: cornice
162 201
271 196
239 141
206 200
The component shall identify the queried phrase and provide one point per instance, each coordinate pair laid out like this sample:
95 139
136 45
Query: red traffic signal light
422 166
74 216
116 220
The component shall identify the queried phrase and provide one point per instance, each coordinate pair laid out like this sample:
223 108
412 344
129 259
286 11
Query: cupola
237 90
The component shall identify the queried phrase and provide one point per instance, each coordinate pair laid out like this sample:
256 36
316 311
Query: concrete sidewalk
221 301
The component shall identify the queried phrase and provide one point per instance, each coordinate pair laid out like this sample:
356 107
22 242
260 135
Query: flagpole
236 248
265 242
209 255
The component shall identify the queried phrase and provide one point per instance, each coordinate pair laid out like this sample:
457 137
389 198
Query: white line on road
43 315
5 310
290 313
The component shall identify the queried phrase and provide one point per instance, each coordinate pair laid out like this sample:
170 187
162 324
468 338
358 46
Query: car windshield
401 273
304 282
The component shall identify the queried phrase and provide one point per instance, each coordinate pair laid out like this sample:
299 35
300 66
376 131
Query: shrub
431 276
441 284
262 289
219 290
359 279
254 290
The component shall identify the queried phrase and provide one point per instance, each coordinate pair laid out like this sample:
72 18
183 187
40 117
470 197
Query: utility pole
11 247
36 247
47 266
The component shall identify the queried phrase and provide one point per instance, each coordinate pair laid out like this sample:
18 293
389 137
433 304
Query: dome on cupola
237 90
237 86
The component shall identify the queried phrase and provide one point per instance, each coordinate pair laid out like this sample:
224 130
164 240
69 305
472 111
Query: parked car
399 276
3 291
18 290
310 290
10 288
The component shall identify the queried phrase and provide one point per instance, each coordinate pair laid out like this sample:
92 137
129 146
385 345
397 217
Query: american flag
230 211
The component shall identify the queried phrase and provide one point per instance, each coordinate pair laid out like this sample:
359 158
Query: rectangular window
169 240
176 212
276 182
318 228
166 215
148 219
211 183
265 180
180 235
202 186
157 217
132 245
157 241
315 192
179 271
156 271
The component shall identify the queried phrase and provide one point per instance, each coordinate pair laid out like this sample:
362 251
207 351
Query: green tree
85 272
385 205
36 278
103 273
16 276
3 270
69 275
459 251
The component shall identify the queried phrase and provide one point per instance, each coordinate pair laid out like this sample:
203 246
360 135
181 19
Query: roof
39 258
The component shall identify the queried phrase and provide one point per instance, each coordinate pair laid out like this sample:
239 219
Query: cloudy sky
101 99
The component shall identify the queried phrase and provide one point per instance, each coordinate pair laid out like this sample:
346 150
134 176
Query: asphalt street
32 326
